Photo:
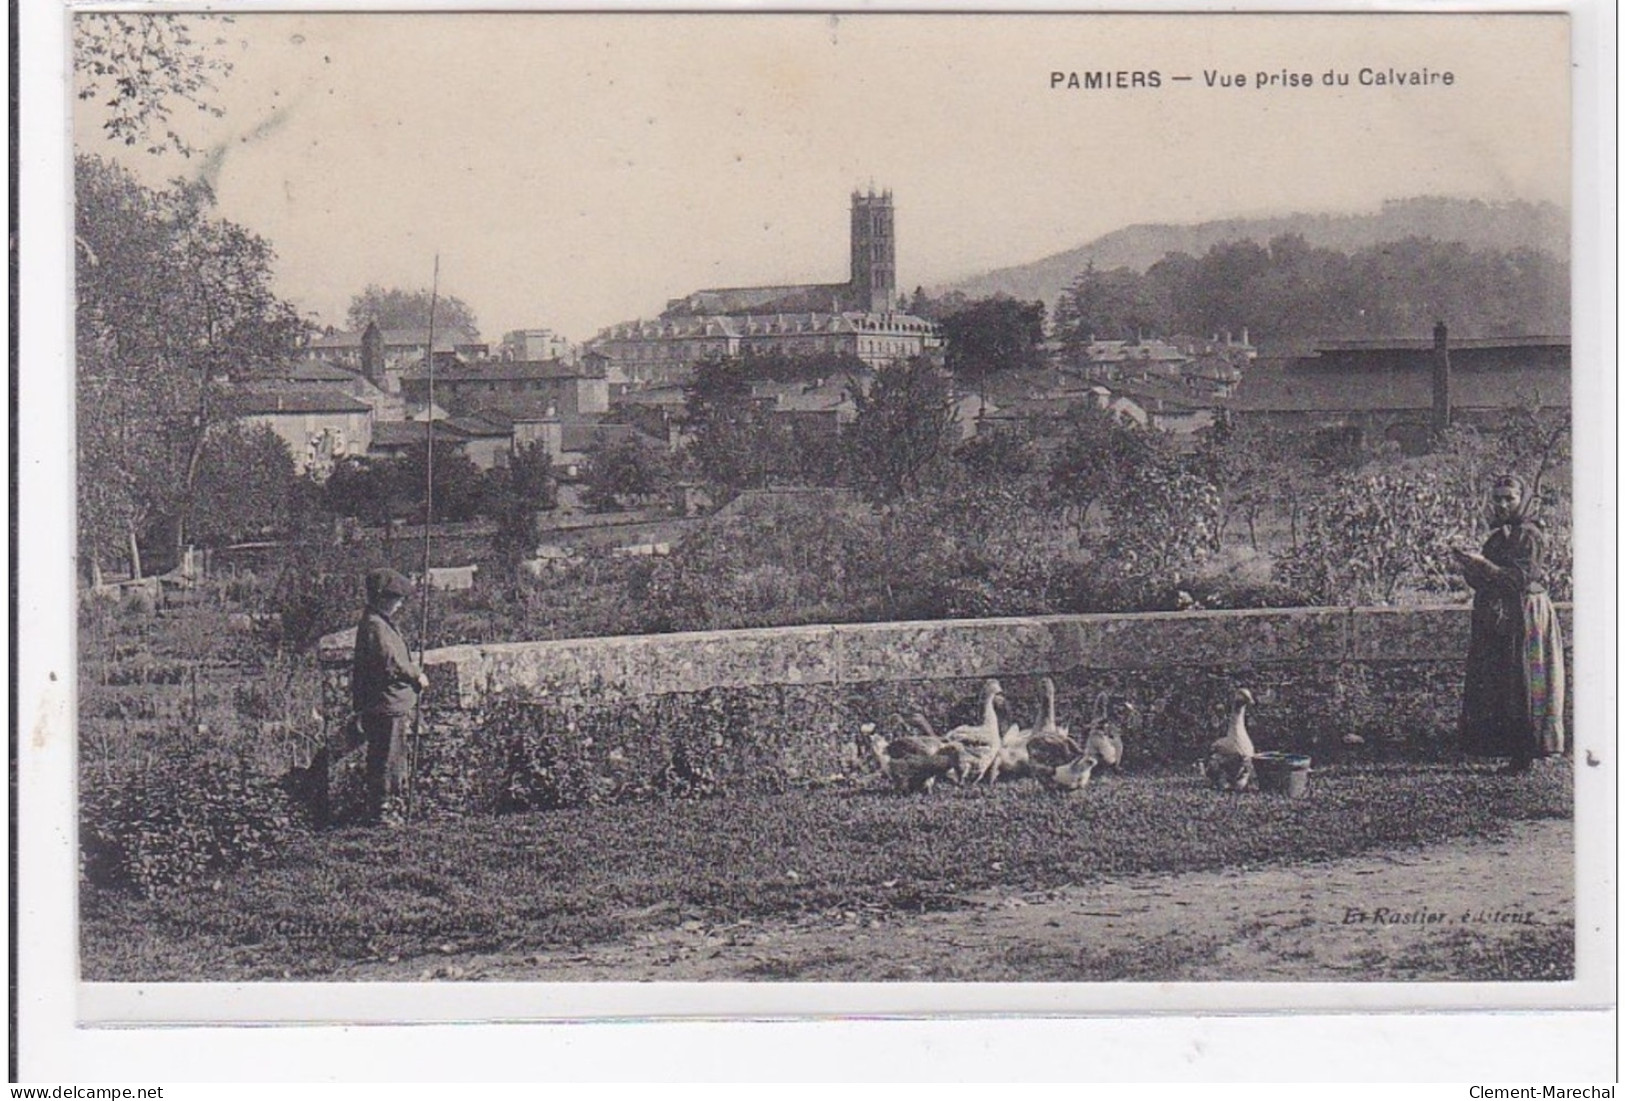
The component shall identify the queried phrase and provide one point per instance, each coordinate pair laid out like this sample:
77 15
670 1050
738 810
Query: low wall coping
631 666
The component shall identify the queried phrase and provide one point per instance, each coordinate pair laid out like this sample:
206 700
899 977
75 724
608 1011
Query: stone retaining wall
582 720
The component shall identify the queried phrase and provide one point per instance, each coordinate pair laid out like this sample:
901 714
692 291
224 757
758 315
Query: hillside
1476 224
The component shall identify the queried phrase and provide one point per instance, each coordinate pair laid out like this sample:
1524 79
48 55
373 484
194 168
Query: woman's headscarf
1520 514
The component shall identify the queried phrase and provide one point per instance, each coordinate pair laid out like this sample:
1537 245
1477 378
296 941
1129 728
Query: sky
572 171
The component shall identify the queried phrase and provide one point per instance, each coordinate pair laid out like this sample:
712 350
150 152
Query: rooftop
1426 345
301 370
511 409
497 370
1307 386
444 339
407 433
262 401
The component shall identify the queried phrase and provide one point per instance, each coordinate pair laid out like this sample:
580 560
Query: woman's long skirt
1514 698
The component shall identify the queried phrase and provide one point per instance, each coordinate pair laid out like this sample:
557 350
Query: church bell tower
874 252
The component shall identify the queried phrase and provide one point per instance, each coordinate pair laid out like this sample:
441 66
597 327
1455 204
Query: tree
992 335
1119 304
458 489
904 426
1255 467
138 68
169 300
371 490
514 496
1164 523
627 472
244 485
935 309
736 443
1099 458
393 308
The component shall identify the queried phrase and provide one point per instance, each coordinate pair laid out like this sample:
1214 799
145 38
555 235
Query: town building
1403 391
306 374
536 344
856 318
568 439
319 424
1210 367
572 389
382 354
486 443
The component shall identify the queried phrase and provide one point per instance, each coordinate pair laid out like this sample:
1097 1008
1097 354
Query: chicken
912 762
979 743
1229 766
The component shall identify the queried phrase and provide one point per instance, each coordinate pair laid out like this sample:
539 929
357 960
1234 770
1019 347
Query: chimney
372 353
1441 377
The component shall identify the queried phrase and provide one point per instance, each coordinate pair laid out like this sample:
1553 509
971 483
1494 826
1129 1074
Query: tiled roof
589 435
1154 398
496 370
1045 407
1455 343
303 370
444 339
510 409
1297 386
804 297
262 401
654 396
406 433
476 425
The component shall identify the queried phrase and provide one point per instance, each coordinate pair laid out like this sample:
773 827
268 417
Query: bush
795 559
179 822
1374 534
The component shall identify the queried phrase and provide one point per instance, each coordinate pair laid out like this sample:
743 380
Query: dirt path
1463 910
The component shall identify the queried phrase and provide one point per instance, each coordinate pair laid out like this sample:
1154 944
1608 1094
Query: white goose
979 743
1229 766
1071 776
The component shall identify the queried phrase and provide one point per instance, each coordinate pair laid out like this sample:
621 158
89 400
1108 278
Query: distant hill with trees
1513 228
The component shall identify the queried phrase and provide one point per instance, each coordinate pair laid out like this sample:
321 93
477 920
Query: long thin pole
428 497
428 520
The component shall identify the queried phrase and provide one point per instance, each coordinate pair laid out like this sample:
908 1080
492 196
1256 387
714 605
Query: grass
579 877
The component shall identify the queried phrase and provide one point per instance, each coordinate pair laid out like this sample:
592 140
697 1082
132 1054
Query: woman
1513 702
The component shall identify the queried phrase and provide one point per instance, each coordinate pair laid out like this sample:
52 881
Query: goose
1105 739
1013 757
1046 723
1072 775
912 761
979 743
1056 757
1229 766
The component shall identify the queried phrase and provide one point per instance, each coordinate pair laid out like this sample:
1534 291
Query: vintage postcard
595 514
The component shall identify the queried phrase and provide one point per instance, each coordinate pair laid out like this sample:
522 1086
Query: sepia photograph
1074 505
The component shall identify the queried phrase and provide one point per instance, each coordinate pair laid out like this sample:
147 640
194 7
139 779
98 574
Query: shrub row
181 821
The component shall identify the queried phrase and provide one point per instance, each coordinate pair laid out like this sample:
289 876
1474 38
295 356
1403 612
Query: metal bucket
1282 773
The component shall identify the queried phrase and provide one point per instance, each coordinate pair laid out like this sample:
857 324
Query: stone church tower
874 253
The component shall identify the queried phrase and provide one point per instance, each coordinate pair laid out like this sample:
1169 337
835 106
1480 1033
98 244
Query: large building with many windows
857 318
